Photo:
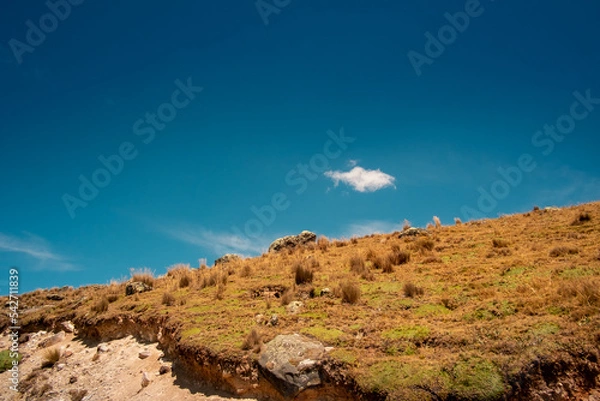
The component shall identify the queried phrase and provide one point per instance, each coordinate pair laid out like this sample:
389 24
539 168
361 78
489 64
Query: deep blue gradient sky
426 144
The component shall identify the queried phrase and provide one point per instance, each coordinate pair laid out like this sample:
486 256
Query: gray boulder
413 232
291 363
136 287
227 258
292 241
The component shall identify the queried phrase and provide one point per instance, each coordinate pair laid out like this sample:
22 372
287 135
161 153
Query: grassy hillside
468 312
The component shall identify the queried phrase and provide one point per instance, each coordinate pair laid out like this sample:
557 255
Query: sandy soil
113 375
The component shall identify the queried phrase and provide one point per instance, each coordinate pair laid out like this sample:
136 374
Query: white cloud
35 248
220 243
362 228
362 180
352 163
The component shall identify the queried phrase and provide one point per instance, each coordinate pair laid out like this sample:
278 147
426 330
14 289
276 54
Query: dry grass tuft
582 218
246 271
457 221
432 259
168 299
77 395
359 267
302 273
562 251
411 290
101 305
50 357
406 225
398 257
287 297
500 243
144 275
350 292
253 341
437 221
423 245
323 243
586 291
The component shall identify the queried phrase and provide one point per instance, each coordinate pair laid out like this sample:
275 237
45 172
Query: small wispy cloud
38 249
352 163
362 180
218 242
367 227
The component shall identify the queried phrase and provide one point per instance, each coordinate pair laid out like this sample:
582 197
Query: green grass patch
191 332
406 332
344 356
477 379
545 329
428 310
6 362
331 336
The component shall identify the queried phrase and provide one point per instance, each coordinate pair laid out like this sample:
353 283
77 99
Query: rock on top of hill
413 232
229 257
292 241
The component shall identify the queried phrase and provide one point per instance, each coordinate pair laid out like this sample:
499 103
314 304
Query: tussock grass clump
77 395
457 221
340 243
253 341
101 305
371 255
398 257
437 221
383 263
144 275
586 291
302 274
50 357
112 298
246 270
168 299
185 280
323 243
213 278
359 267
562 251
350 292
411 290
500 243
423 245
406 225
287 297
582 218
432 259
220 292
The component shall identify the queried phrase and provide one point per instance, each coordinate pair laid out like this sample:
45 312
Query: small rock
144 354
102 348
164 369
259 319
136 287
68 326
274 320
73 379
294 307
145 380
55 339
325 291
328 349
54 297
60 366
227 258
292 241
68 353
413 232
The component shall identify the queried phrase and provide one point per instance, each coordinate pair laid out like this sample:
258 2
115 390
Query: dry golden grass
253 341
50 357
303 274
451 319
144 275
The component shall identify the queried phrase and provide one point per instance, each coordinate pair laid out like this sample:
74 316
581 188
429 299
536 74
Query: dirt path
113 374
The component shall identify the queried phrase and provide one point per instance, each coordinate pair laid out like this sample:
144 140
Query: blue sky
341 118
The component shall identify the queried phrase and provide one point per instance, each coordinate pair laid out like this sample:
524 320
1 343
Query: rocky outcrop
136 287
227 258
413 232
291 363
292 241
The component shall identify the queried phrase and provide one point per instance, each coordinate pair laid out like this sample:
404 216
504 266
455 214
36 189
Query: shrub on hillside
423 245
101 305
583 217
323 243
562 251
411 290
302 273
287 297
168 299
350 292
253 341
500 243
359 267
397 256
144 275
